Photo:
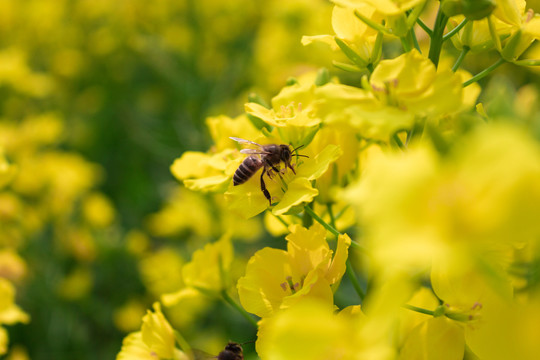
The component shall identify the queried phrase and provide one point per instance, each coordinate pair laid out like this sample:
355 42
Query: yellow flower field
301 179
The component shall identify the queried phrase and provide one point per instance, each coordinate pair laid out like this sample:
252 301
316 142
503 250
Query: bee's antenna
296 149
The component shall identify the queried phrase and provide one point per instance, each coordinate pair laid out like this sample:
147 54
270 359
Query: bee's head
233 351
286 153
234 347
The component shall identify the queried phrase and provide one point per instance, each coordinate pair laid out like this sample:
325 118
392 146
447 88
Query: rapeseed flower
156 340
276 279
435 338
10 313
158 334
457 206
411 83
385 7
357 35
207 273
310 331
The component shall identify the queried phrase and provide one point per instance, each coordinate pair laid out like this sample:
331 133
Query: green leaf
347 67
350 53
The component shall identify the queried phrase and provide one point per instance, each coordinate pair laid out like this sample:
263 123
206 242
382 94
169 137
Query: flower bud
472 9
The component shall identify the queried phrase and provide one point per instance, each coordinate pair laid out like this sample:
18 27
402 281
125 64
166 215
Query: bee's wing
254 151
245 142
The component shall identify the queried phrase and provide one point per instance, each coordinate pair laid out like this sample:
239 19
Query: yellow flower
222 127
157 334
98 210
128 317
206 172
184 211
522 25
350 29
10 313
435 338
408 320
12 266
209 268
208 272
294 122
76 285
134 348
418 207
385 7
277 279
161 271
308 331
411 83
510 11
507 330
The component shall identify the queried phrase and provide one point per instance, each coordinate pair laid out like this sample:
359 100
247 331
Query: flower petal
314 168
299 191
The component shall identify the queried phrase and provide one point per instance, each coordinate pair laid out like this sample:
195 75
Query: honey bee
268 157
232 351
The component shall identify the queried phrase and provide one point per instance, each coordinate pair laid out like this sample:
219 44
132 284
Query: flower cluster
395 176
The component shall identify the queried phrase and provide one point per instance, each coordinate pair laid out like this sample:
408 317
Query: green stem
184 345
372 24
406 43
330 228
398 141
437 37
418 309
455 30
460 58
239 308
354 280
424 27
307 221
412 35
453 316
484 72
280 219
412 16
331 214
318 219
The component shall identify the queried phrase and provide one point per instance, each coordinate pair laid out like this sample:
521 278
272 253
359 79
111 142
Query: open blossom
386 7
156 340
277 279
348 28
311 331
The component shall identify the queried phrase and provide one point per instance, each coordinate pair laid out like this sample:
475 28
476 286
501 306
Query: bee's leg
275 169
263 188
289 165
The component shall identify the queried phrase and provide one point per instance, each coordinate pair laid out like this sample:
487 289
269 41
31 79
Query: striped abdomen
247 168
